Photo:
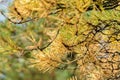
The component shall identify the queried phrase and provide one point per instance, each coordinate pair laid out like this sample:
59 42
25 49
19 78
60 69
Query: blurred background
12 65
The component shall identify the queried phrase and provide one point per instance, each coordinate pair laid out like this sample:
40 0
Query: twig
21 22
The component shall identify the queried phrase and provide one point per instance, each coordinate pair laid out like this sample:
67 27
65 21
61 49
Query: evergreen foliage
80 36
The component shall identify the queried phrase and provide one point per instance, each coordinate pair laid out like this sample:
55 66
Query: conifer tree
84 36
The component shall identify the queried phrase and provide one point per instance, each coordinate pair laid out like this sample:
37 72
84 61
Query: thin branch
21 22
51 41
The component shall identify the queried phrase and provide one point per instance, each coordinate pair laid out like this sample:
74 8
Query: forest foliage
80 37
